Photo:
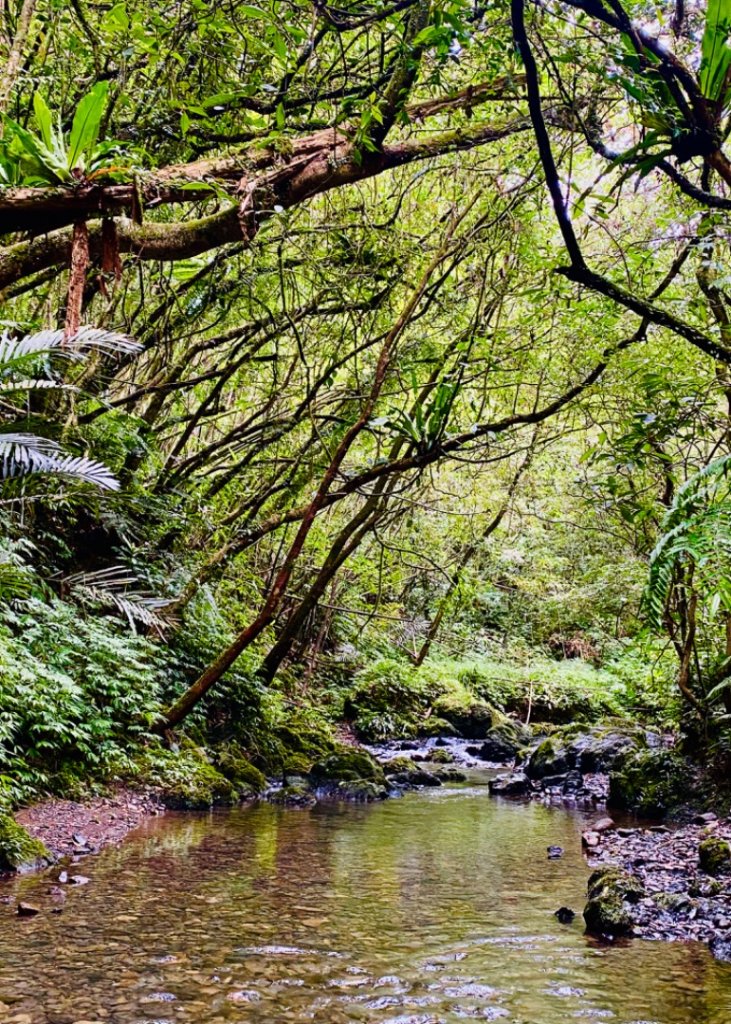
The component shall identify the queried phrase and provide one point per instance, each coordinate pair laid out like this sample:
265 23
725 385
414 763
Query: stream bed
436 907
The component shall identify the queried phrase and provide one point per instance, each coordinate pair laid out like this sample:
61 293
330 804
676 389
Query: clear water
436 907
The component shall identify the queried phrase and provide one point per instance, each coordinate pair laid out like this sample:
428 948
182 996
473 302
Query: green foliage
48 158
76 695
23 454
715 51
18 849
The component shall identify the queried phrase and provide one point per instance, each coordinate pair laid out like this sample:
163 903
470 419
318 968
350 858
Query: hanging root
77 278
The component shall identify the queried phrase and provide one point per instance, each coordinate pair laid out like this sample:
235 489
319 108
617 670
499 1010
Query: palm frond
86 339
110 588
25 454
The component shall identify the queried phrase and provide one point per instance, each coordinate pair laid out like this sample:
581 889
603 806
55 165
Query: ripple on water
417 911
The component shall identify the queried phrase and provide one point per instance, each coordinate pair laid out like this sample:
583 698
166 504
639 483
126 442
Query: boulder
297 793
714 854
612 893
440 756
650 782
472 719
515 784
597 749
361 791
19 851
349 764
497 748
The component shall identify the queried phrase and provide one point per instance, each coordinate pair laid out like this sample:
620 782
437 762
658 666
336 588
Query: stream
436 907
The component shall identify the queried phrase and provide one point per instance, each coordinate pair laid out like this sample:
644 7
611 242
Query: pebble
27 910
681 902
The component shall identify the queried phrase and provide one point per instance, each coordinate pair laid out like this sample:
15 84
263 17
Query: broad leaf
86 124
715 51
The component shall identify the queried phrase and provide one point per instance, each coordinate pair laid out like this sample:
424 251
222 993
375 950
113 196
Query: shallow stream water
437 907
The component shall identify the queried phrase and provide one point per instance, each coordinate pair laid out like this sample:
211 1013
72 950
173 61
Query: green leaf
86 124
36 160
715 51
44 120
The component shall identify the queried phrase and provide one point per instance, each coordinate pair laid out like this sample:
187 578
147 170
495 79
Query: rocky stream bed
649 880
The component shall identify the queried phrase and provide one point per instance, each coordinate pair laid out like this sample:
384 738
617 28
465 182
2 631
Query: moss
471 717
185 779
360 791
613 879
377 726
673 902
19 851
399 764
241 773
551 757
611 891
714 855
650 782
436 726
349 764
440 756
607 915
297 793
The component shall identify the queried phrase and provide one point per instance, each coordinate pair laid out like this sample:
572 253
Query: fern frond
15 582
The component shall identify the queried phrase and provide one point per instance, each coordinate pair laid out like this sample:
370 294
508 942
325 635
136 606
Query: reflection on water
437 907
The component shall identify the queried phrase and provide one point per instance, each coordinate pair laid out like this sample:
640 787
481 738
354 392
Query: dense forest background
362 362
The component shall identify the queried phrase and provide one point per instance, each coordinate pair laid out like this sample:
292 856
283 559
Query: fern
697 533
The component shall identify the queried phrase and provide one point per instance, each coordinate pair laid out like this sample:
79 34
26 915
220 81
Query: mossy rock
360 791
311 738
551 757
379 726
471 717
241 773
349 764
297 793
614 880
611 894
435 726
608 916
204 787
714 855
19 851
399 764
440 756
650 782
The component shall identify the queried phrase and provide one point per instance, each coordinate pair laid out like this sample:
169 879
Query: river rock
612 892
515 784
27 910
590 839
720 946
714 854
554 852
595 749
603 825
565 915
